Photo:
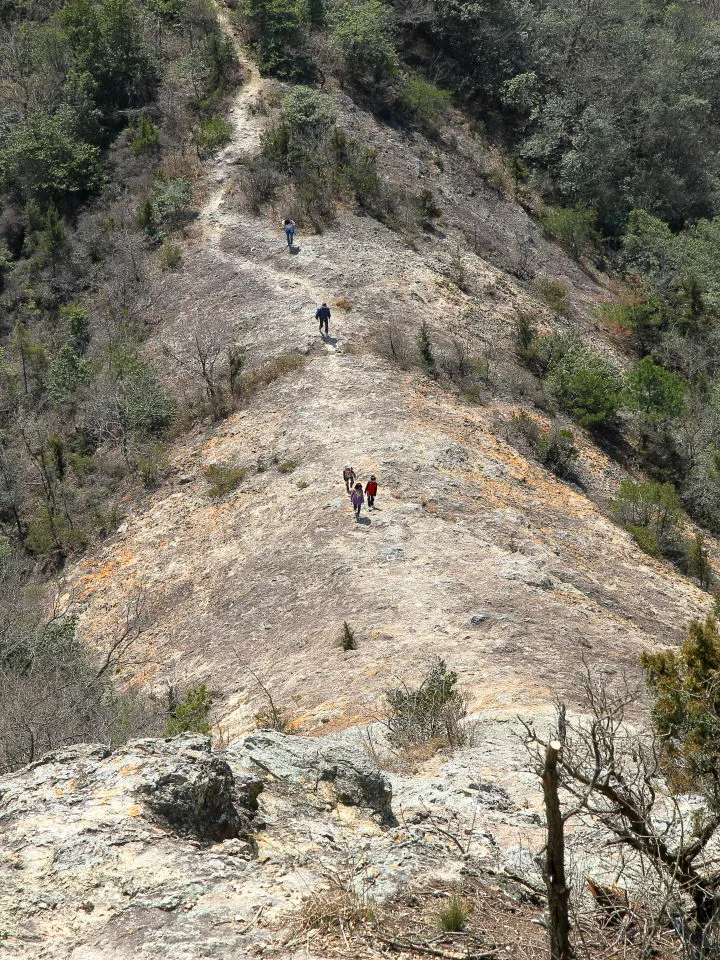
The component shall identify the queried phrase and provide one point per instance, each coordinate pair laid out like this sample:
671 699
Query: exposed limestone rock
342 770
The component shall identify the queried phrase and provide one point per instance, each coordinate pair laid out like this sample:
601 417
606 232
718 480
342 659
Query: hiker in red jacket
371 491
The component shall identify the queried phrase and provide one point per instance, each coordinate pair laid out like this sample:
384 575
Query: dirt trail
474 553
245 123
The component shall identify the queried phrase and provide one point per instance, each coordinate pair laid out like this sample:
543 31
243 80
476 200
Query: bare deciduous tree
616 775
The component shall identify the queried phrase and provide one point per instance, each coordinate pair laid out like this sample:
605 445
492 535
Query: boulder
194 791
346 772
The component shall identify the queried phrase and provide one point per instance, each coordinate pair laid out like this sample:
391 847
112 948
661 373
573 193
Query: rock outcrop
190 789
341 771
110 855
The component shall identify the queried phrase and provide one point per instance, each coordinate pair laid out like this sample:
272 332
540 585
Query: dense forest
606 112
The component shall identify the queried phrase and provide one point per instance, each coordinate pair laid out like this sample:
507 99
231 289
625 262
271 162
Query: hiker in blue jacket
323 315
290 227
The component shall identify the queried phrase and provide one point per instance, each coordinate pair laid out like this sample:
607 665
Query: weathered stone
346 771
192 790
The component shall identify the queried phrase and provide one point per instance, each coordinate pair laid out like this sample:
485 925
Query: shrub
361 175
348 641
191 714
51 535
287 466
555 448
171 201
308 112
574 227
431 711
423 100
429 210
653 392
550 348
212 134
151 463
222 479
296 140
588 386
169 256
341 907
645 317
525 337
259 182
454 915
555 296
646 539
652 506
146 136
557 451
427 357
458 271
279 367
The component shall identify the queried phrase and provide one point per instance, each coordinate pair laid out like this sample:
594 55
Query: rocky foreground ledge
168 849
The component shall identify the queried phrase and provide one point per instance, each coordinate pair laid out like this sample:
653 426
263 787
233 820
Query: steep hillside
217 601
473 553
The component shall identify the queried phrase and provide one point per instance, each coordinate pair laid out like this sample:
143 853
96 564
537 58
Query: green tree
43 159
588 386
77 321
653 506
191 714
146 137
654 393
697 561
53 238
363 33
686 709
278 31
427 357
107 44
68 371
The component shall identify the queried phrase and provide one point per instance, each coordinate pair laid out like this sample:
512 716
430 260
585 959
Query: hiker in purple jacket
357 499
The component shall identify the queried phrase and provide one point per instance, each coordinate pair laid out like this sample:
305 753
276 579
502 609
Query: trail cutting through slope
474 553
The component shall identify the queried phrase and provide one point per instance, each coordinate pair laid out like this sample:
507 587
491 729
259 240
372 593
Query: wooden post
557 891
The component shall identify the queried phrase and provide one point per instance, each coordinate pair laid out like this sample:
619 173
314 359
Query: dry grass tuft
336 909
279 367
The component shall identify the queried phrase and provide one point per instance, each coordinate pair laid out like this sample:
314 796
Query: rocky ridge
166 850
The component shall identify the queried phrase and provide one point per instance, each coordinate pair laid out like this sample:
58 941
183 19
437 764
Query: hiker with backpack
357 499
371 492
348 477
323 315
290 228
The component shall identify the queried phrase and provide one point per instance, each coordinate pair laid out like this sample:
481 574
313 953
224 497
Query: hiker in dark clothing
357 499
289 226
371 491
323 315
348 477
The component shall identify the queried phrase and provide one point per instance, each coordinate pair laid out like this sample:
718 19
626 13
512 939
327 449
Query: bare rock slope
473 553
166 851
